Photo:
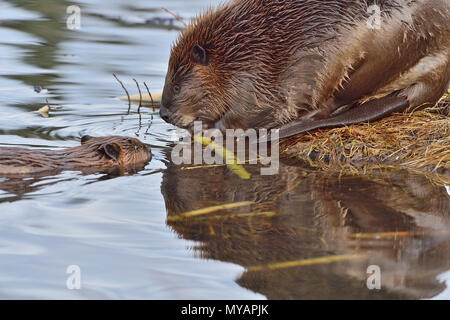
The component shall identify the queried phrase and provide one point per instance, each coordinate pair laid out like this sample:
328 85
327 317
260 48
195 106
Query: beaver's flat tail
370 111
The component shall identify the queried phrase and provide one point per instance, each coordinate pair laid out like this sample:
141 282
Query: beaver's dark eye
176 89
136 148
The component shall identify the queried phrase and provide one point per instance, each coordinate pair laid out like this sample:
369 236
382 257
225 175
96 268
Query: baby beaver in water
94 155
306 64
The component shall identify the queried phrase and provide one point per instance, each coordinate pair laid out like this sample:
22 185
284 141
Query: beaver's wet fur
268 63
96 154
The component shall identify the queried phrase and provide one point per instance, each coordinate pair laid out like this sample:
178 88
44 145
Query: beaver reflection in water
96 154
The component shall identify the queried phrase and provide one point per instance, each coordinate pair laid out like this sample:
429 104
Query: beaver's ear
85 139
198 55
112 150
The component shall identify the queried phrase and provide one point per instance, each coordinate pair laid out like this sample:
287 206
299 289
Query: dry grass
419 141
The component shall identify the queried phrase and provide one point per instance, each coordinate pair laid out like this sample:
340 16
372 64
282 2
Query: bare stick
128 95
177 17
151 98
140 96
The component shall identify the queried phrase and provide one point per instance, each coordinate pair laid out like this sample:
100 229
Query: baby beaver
306 64
95 154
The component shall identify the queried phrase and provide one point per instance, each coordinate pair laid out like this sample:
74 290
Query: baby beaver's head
121 151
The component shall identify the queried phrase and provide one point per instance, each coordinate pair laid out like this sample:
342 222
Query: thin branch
140 96
128 95
151 97
177 17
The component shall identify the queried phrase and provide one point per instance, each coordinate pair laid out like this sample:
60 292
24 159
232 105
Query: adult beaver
307 63
95 154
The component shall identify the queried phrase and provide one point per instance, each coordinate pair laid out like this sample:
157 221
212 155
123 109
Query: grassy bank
417 141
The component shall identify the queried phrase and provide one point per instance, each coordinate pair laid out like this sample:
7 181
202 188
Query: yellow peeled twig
245 215
396 234
230 158
385 235
307 262
147 99
208 210
203 167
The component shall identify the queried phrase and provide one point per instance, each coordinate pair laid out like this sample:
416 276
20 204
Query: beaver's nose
164 114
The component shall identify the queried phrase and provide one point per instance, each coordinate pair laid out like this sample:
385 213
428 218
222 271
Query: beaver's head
225 69
121 151
213 72
193 90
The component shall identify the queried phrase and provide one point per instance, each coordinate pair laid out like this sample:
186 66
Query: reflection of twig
307 262
140 125
140 103
177 17
208 210
240 215
151 97
153 107
149 124
128 95
140 96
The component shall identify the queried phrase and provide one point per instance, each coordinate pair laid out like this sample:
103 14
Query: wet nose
148 147
164 114
149 150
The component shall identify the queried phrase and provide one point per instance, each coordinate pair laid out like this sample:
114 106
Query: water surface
128 233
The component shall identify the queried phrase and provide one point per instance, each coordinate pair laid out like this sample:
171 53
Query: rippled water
128 234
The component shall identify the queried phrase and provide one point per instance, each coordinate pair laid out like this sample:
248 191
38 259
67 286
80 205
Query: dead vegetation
418 141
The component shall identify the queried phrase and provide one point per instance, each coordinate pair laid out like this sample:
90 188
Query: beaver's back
243 32
23 161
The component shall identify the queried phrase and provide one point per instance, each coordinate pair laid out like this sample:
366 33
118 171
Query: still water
300 234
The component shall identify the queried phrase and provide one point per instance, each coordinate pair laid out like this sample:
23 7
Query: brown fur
270 62
95 154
